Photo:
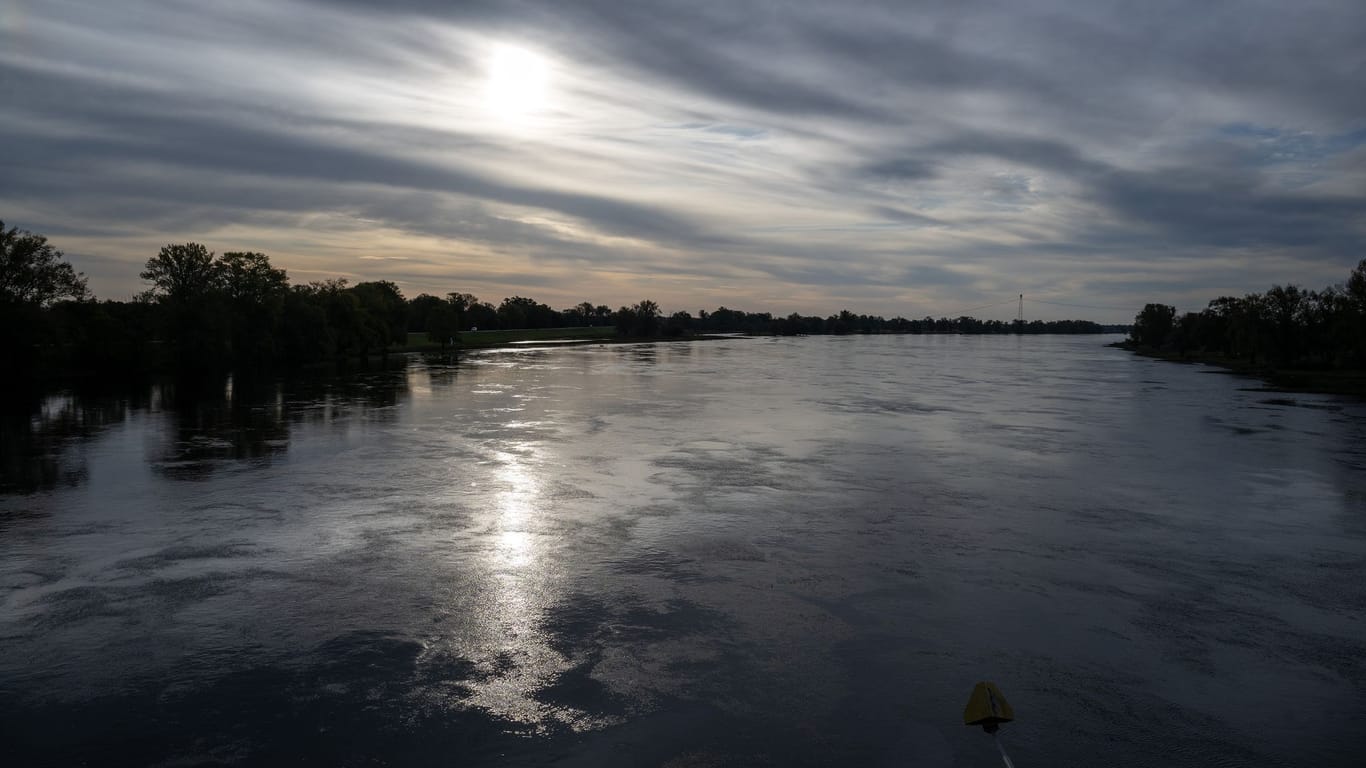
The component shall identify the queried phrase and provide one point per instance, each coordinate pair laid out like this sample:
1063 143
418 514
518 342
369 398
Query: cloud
903 216
899 169
899 158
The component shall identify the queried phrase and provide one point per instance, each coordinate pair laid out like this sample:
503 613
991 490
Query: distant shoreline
568 337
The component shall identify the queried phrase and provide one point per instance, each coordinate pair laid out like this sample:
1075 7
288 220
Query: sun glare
517 82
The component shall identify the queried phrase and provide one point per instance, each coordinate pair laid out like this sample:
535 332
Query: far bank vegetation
1297 338
207 313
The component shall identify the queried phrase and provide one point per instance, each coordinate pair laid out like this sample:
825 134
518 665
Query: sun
517 84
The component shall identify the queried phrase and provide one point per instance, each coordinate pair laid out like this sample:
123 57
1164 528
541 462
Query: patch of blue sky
1275 145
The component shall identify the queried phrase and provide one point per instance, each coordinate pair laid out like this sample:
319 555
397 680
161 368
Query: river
755 551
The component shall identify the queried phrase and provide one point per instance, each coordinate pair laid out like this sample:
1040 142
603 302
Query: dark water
747 552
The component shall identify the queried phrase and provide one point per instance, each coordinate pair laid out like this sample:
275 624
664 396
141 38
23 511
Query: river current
752 551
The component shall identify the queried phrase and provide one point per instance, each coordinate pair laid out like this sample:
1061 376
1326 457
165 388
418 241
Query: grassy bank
1322 381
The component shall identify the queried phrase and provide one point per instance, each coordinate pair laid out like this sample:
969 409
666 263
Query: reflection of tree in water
442 371
217 422
373 394
205 425
245 420
642 353
42 437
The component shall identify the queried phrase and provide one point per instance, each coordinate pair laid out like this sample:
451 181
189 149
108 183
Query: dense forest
1285 327
207 313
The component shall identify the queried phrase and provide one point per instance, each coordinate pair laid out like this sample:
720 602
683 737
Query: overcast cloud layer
892 158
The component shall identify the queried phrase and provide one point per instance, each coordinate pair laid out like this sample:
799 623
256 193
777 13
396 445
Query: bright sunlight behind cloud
517 83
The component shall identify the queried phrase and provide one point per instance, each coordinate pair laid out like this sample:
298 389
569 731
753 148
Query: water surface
742 552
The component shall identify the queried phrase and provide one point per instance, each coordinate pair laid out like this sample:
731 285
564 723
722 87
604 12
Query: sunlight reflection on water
517 661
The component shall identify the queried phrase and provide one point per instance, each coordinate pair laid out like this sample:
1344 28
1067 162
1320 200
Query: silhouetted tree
1354 315
1287 326
418 308
472 312
255 293
1287 310
187 287
306 335
679 323
33 275
349 333
584 313
1153 325
443 324
640 319
104 337
181 272
383 312
521 312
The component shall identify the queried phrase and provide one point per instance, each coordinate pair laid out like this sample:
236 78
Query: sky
893 158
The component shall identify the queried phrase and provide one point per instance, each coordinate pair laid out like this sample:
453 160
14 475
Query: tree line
207 313
1285 327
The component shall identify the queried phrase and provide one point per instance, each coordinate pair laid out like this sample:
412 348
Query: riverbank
1308 380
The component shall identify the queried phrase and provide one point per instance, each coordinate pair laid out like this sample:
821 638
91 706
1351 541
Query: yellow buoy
987 707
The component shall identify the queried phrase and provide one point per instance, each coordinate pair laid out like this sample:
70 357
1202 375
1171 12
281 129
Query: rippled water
752 551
